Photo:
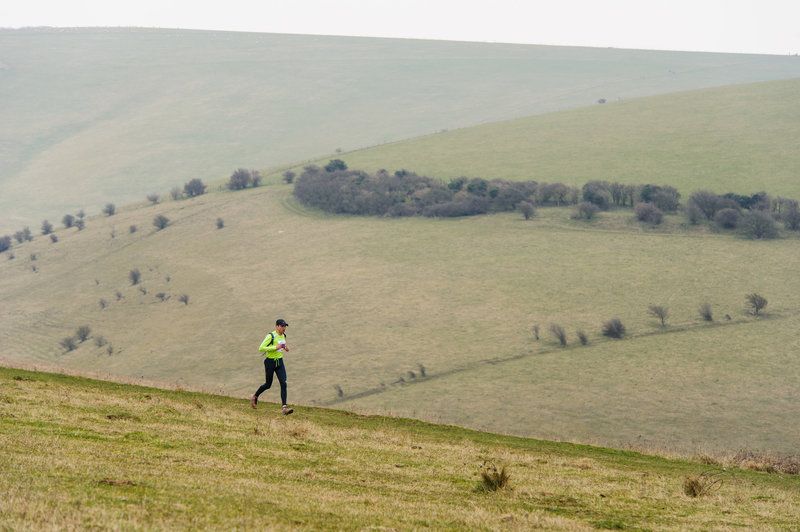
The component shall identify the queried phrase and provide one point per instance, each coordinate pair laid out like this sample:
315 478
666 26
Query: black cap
281 321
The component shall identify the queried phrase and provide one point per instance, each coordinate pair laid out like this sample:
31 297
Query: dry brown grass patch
493 479
698 485
769 463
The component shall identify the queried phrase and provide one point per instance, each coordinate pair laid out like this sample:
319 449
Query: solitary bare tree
560 334
659 312
756 303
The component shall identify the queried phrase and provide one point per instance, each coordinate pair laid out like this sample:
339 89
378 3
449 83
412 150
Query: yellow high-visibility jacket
270 345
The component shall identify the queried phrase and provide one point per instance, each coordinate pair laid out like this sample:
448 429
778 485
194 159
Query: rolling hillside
432 319
91 116
77 453
740 139
429 318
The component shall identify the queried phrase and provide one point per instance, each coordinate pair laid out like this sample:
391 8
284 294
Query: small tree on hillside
560 334
614 328
648 213
288 177
47 227
527 209
239 179
727 218
195 187
69 343
791 218
5 243
160 221
335 165
255 178
755 302
110 209
152 198
585 211
135 276
705 312
83 333
659 312
759 225
68 220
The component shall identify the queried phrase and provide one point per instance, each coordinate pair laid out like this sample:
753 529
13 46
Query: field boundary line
543 351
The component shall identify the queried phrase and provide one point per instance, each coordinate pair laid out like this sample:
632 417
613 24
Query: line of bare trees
614 328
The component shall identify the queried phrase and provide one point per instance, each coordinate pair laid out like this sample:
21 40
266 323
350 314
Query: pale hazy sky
750 26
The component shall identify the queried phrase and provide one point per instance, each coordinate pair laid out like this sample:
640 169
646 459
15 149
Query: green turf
86 454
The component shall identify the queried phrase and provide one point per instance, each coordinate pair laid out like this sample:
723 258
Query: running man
273 347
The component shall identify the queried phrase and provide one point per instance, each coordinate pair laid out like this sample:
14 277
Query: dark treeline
337 189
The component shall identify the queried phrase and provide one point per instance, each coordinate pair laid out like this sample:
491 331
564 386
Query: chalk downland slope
437 315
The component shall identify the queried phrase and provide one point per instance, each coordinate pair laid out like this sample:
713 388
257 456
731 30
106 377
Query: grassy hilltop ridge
738 139
81 453
97 115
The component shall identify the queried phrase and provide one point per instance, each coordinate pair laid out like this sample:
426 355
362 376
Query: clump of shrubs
648 213
705 312
582 337
241 178
69 343
160 221
194 187
727 218
614 328
759 225
585 211
560 334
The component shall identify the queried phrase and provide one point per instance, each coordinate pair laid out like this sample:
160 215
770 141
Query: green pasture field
100 115
86 454
738 139
373 302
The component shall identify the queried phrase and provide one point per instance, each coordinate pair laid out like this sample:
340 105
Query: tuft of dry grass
700 484
493 479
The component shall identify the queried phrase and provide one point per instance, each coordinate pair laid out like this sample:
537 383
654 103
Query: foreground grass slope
373 302
86 454
97 115
740 139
